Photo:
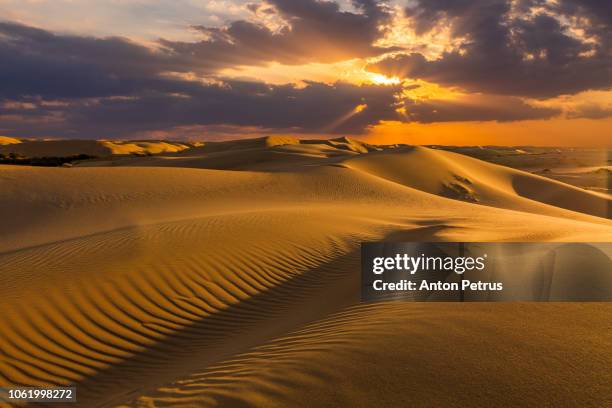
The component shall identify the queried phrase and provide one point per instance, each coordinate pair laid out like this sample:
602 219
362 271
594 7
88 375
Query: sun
380 79
359 108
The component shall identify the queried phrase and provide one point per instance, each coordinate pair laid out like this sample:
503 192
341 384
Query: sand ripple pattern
140 300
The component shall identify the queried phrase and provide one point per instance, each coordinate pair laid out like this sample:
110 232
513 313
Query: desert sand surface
47 148
6 140
588 168
226 274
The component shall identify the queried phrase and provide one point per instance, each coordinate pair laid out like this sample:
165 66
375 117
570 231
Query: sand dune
461 177
63 148
403 354
162 282
448 174
5 140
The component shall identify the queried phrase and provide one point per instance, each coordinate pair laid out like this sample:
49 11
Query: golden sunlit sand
5 140
47 148
228 274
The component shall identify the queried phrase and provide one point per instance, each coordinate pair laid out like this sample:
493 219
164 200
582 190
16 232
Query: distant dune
5 140
62 148
227 274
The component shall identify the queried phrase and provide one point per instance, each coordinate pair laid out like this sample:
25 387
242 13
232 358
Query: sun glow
379 79
360 108
355 111
553 132
419 90
350 71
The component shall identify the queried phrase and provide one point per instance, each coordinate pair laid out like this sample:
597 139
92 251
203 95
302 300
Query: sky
462 72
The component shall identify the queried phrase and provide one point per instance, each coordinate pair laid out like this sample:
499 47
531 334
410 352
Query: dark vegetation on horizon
18 159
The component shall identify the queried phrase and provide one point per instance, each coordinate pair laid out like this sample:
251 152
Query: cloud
110 87
84 86
312 109
83 66
475 108
315 31
37 62
316 108
145 20
529 48
590 111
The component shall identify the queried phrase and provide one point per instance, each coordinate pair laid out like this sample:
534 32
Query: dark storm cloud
599 12
37 62
310 109
315 108
506 52
479 108
318 31
91 87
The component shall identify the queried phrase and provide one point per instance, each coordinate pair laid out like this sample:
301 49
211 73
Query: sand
587 168
5 140
97 148
227 274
